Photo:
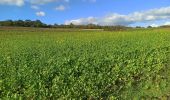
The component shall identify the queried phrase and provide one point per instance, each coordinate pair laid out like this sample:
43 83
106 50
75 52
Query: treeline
23 23
38 23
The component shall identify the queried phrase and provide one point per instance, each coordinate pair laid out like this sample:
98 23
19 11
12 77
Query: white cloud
12 2
35 7
166 23
41 13
159 24
60 8
118 19
41 2
82 21
154 25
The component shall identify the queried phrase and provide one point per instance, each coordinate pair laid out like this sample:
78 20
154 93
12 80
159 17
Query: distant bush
165 26
38 23
116 28
23 23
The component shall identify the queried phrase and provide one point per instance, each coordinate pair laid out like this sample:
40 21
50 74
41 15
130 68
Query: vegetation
21 23
38 23
54 64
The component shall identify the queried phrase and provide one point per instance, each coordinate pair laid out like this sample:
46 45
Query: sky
102 12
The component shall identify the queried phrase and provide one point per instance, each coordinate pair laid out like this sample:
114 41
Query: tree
149 27
71 25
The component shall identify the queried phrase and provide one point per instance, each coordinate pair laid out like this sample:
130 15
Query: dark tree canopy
38 23
23 23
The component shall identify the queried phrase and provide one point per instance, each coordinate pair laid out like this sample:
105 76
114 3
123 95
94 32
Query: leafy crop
84 64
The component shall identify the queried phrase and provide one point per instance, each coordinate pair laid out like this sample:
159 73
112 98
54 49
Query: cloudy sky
103 12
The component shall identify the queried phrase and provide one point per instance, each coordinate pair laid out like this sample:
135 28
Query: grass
56 64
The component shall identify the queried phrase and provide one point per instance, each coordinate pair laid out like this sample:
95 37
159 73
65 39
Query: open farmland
40 64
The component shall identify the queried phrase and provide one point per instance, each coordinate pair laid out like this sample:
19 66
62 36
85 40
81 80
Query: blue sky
103 12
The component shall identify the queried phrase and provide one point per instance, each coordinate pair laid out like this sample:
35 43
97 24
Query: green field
45 64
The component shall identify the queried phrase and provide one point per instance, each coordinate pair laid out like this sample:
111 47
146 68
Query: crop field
51 64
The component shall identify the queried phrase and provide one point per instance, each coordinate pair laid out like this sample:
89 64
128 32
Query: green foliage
39 24
84 64
23 23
